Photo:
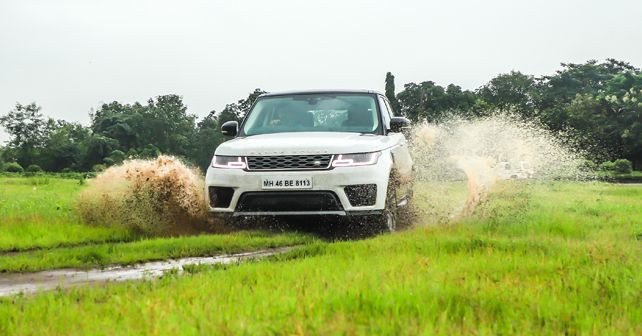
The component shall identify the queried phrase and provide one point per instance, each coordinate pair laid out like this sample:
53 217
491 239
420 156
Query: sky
70 56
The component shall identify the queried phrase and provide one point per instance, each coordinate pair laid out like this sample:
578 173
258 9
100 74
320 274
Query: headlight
230 162
359 159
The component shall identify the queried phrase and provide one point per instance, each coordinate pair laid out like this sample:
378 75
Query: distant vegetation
597 104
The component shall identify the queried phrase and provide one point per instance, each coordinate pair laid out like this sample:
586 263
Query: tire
387 221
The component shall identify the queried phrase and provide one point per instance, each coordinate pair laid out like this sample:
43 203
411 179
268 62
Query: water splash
486 150
160 196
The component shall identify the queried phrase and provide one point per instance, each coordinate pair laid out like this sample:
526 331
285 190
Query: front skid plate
306 213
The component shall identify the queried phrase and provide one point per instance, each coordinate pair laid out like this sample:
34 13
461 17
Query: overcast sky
72 55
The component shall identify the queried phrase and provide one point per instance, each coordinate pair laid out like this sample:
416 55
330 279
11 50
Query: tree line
598 103
116 132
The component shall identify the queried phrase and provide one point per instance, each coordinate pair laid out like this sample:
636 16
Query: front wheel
387 221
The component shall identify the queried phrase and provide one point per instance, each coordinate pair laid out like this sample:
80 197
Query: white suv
314 153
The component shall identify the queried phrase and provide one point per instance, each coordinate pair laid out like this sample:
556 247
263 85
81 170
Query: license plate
287 182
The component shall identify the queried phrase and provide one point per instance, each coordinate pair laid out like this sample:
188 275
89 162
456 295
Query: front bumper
333 181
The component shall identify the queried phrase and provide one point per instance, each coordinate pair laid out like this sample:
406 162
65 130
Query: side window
385 112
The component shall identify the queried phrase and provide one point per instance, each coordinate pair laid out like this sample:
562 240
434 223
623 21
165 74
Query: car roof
306 92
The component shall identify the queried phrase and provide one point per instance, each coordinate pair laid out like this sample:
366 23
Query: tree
236 111
163 122
599 102
623 94
512 92
207 138
167 125
586 118
115 157
231 112
246 104
63 146
460 102
557 91
95 149
418 101
390 92
26 127
149 152
121 122
432 102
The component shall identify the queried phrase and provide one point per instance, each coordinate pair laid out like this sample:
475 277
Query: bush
116 157
150 152
622 166
607 166
13 167
132 153
589 165
98 168
34 168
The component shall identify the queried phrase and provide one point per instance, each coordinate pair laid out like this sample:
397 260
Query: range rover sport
314 153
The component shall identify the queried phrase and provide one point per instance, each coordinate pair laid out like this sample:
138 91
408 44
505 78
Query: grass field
147 249
37 212
40 230
535 258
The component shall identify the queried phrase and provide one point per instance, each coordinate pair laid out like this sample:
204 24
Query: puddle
11 284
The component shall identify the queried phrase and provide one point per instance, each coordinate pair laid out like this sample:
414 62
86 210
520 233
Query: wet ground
11 284
329 229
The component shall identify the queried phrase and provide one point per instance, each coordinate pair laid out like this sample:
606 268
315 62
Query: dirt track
11 284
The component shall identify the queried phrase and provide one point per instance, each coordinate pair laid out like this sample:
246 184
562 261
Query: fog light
221 197
361 194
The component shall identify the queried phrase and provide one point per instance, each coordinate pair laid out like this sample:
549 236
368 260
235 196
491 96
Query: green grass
38 212
68 175
633 177
439 201
557 258
146 250
40 230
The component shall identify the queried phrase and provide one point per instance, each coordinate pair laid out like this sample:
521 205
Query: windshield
313 113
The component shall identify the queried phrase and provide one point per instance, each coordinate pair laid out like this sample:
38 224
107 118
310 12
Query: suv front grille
289 162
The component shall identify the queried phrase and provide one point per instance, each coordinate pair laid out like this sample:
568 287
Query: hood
302 143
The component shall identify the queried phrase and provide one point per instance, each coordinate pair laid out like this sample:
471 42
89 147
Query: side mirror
399 124
230 128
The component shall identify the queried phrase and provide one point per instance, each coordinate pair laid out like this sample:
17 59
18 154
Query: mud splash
486 150
12 284
160 196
